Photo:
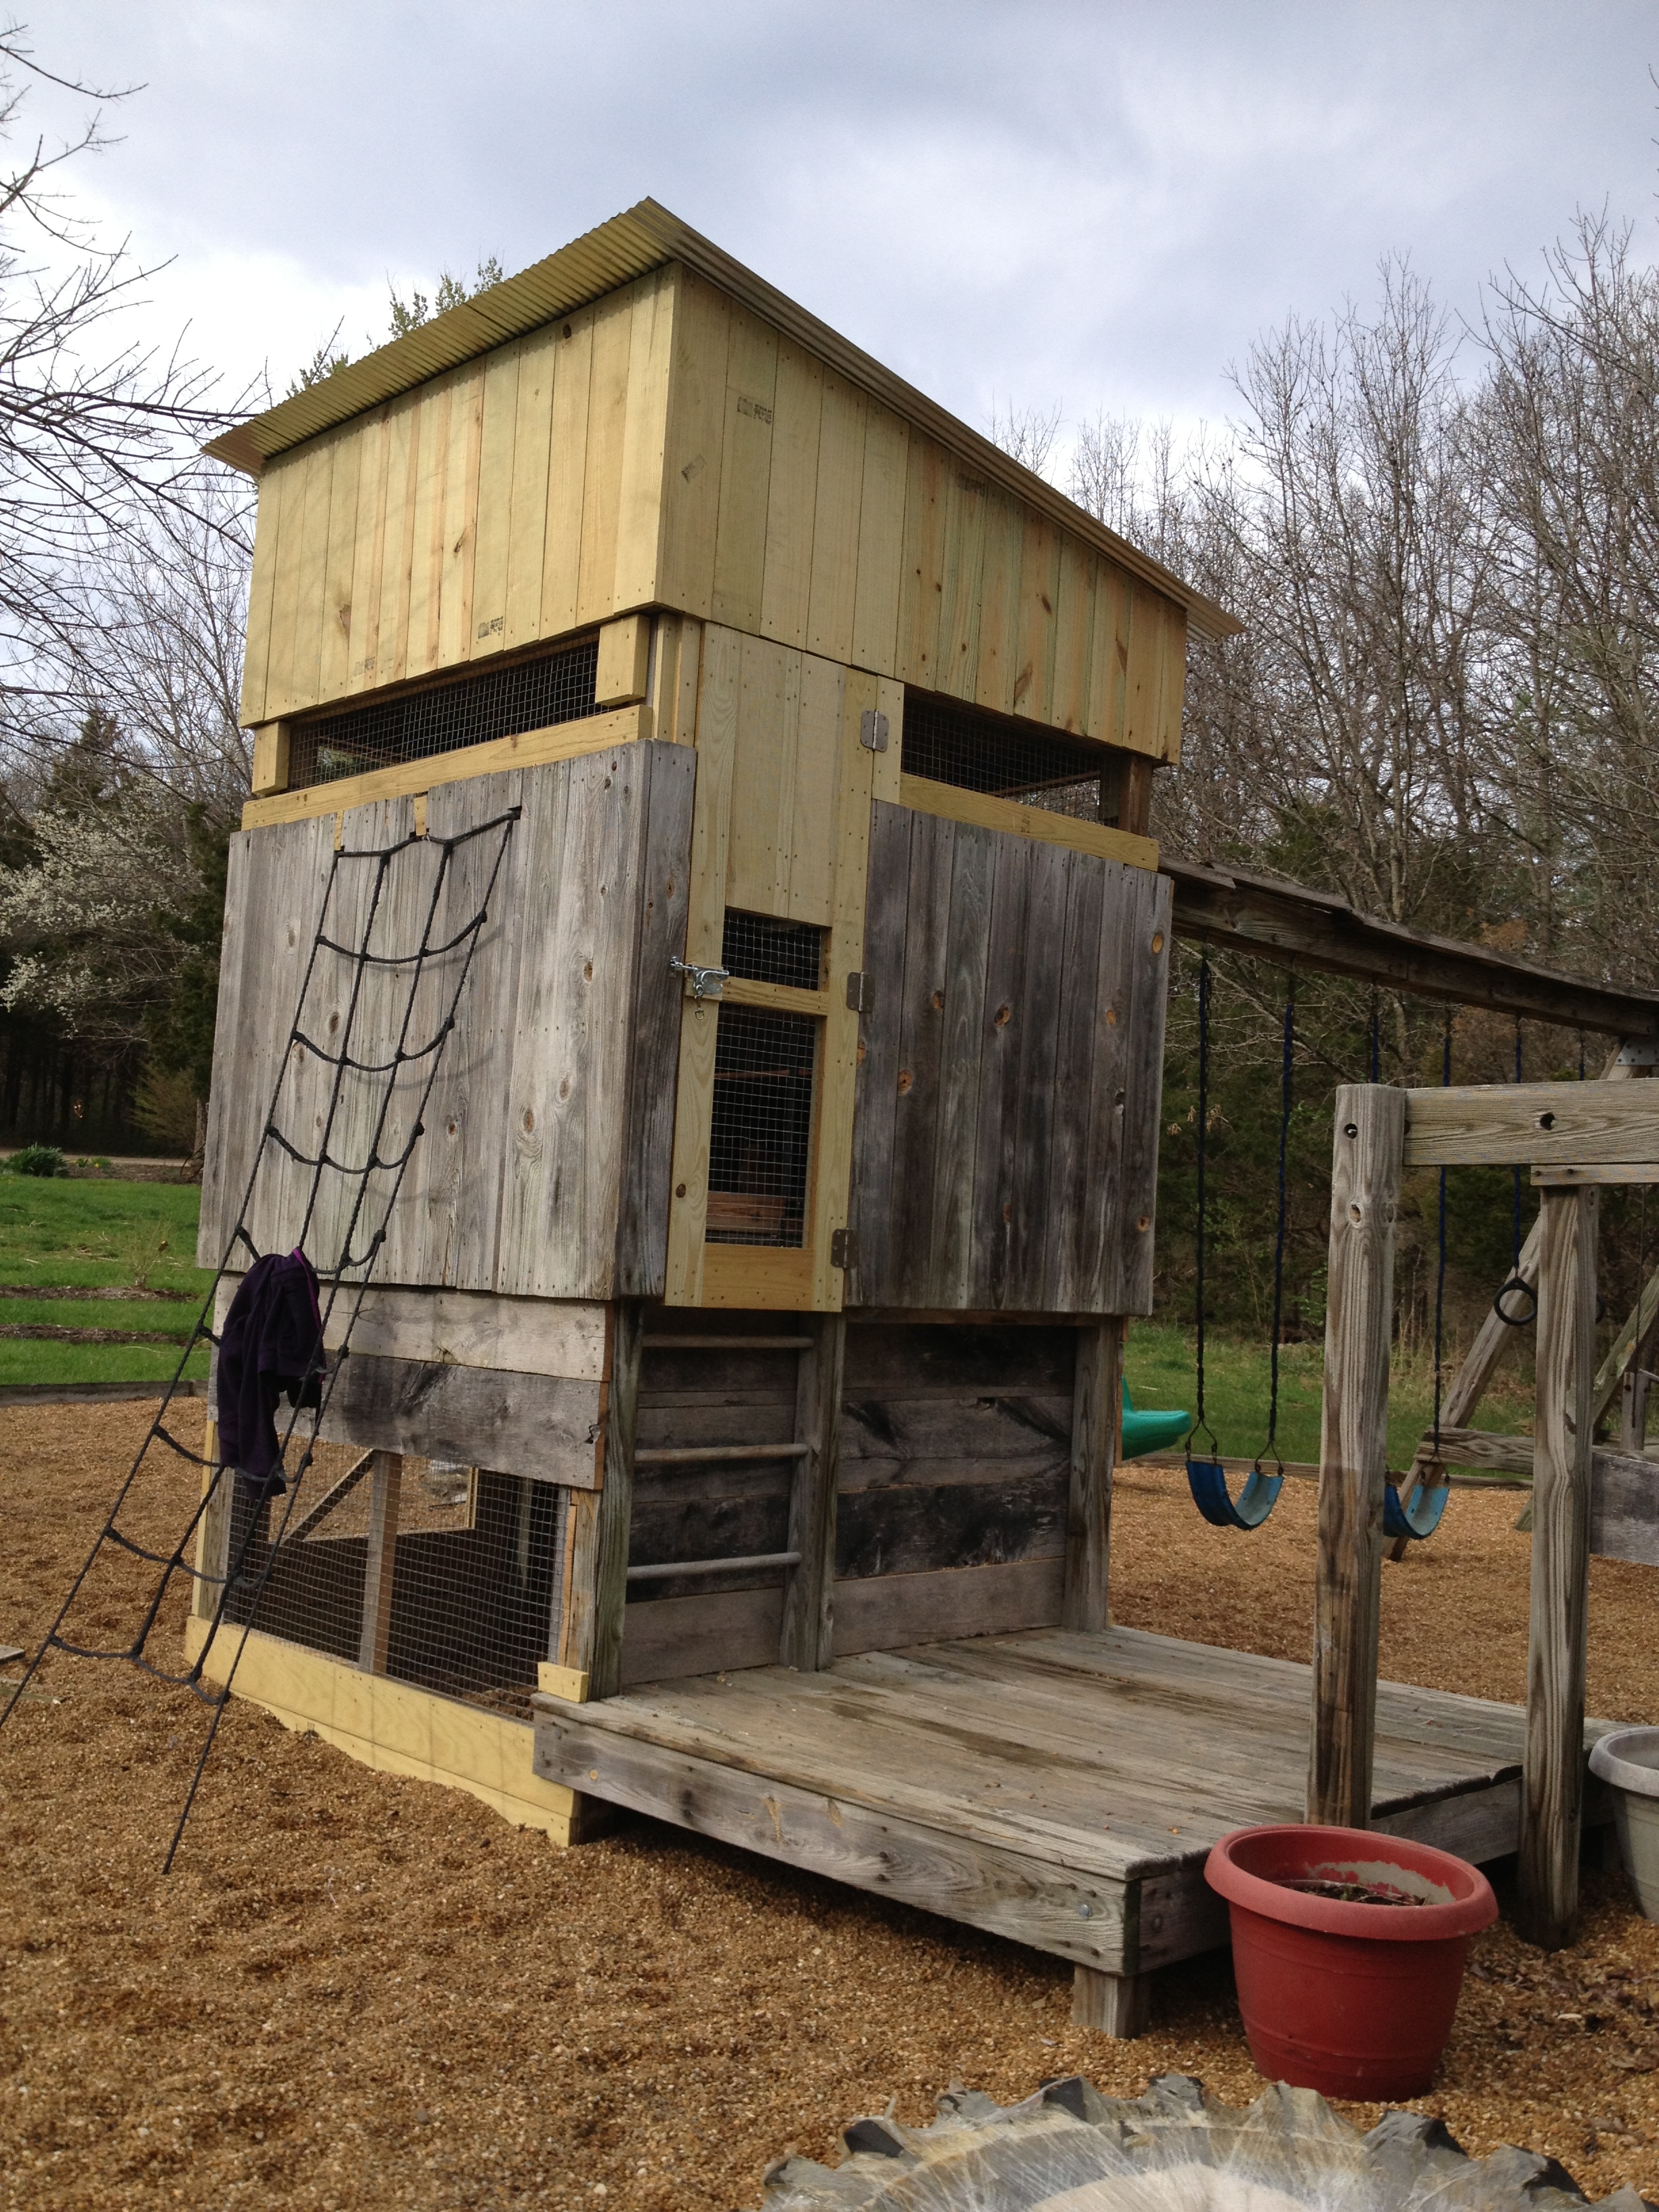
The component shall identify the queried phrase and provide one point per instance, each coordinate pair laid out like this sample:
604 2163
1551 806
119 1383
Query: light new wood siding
667 447
515 498
800 509
781 826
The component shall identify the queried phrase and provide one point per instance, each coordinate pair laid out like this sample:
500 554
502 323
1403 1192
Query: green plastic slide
1150 1432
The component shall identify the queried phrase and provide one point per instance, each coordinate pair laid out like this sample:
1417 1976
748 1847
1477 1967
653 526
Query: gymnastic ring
1516 1321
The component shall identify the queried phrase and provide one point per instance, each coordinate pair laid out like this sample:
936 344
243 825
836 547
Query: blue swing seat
1417 1516
1207 1480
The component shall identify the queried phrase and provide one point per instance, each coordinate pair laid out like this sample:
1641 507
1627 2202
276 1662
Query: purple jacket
271 1345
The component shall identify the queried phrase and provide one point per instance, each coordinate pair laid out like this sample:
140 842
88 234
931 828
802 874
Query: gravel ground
360 1992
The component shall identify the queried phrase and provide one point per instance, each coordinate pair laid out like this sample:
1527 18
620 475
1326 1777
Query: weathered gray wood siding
1005 1147
951 1488
542 1170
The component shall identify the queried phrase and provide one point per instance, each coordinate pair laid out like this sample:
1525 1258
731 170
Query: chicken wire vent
475 1564
760 1149
948 743
502 702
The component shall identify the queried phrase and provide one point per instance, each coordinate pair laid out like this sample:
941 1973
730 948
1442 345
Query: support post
808 1589
212 1530
1097 1406
1112 2004
385 1484
1553 1781
1353 1454
615 1515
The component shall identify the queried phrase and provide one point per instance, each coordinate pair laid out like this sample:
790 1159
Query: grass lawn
65 1234
1160 1366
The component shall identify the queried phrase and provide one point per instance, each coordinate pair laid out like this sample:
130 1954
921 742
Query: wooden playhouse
726 1429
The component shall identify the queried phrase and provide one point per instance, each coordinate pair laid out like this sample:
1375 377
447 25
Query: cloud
1097 203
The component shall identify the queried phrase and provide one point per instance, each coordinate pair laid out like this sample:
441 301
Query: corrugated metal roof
631 244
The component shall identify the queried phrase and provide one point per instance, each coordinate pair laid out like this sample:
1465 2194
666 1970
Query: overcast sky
1089 206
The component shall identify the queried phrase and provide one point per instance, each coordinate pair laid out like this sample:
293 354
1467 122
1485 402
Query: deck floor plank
1119 1756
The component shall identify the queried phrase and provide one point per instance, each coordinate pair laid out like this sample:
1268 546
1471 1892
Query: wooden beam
212 1530
271 742
624 661
1524 1124
1580 1178
807 1640
616 1502
1288 922
385 1484
391 1725
1553 1773
1635 1334
546 1426
593 733
978 808
1112 2004
1353 1454
1096 1399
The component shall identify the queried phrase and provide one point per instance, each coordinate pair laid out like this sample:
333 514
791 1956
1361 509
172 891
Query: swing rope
1206 1478
1419 1516
1201 1423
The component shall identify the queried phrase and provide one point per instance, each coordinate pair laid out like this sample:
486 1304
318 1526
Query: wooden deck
1061 1788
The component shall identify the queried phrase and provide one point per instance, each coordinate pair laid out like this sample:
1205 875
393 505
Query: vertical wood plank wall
515 498
664 447
1008 1098
543 1170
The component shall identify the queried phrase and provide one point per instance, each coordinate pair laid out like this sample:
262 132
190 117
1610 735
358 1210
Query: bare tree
91 430
1569 417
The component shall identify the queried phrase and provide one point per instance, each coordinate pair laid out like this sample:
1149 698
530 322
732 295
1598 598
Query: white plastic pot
1627 1760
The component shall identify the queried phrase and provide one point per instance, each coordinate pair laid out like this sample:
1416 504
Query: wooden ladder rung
686 1455
671 1567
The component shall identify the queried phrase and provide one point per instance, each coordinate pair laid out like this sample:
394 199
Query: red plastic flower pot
1353 1999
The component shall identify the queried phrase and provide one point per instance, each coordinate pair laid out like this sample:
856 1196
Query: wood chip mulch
360 1992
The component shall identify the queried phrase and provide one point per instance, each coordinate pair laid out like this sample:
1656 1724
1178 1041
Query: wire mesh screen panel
948 743
444 718
446 1577
760 1145
763 950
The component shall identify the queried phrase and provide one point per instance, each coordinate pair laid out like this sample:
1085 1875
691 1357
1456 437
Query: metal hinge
700 982
858 991
843 1247
872 731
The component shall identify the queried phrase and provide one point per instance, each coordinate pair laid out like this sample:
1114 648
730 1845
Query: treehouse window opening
445 718
760 1145
948 743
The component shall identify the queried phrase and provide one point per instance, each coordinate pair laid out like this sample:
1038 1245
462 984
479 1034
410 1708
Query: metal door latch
700 982
843 1247
872 731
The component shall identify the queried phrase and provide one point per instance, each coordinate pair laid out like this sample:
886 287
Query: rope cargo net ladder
374 1057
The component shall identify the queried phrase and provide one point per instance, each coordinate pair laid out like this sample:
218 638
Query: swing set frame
1573 1138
